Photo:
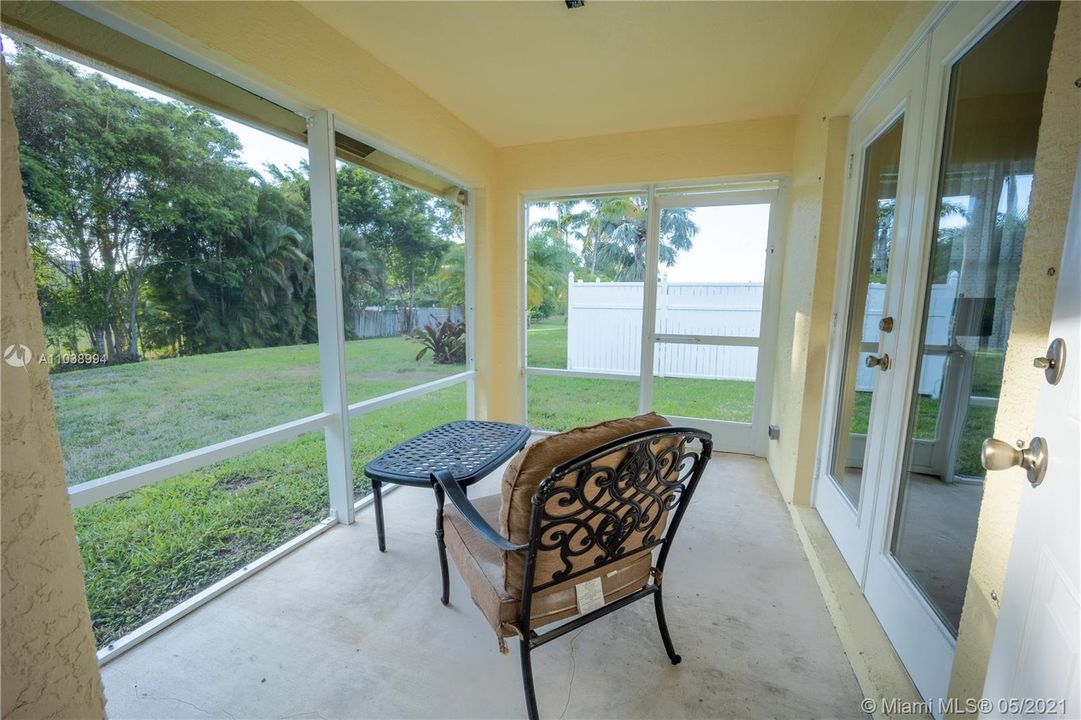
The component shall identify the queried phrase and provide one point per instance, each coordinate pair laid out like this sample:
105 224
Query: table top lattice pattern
469 449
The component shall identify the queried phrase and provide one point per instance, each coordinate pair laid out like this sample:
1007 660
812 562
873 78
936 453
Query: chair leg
441 544
527 680
665 637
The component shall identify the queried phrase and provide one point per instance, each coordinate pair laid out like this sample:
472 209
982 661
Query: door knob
999 455
882 363
886 324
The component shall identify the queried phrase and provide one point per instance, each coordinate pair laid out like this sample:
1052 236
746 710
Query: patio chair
578 518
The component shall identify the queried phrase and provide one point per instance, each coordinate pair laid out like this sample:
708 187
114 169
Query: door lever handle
882 363
999 455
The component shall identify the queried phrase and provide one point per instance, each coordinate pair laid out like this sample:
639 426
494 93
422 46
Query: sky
259 148
730 246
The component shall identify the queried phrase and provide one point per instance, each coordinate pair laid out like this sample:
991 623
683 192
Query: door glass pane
870 270
993 120
710 396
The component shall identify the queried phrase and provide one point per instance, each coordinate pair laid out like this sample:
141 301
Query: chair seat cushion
481 566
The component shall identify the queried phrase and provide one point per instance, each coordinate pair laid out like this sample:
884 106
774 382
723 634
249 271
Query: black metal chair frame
609 534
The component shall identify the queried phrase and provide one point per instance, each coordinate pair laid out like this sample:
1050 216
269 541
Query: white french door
878 217
930 262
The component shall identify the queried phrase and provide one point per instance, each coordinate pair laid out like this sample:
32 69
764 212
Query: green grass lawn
150 549
560 403
115 418
147 550
547 342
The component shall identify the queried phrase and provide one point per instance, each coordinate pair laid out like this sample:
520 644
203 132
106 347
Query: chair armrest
443 479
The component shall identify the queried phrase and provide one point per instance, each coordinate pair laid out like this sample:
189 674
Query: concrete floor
339 630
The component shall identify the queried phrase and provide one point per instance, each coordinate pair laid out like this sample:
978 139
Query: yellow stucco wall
1056 162
707 151
48 661
874 35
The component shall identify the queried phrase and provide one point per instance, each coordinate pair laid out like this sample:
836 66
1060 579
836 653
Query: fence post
663 361
572 346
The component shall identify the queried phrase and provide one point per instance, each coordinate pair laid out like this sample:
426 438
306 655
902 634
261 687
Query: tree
451 277
401 228
549 262
615 237
569 222
151 235
111 178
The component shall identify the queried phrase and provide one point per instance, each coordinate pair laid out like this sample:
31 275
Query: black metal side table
468 449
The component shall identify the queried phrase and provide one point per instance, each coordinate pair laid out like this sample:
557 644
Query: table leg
377 496
441 545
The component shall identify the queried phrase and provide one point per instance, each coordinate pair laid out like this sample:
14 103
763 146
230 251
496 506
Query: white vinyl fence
604 321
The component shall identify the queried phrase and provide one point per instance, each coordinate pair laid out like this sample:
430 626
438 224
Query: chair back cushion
531 467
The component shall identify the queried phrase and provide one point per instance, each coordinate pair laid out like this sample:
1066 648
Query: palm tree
568 222
362 271
615 243
451 277
278 270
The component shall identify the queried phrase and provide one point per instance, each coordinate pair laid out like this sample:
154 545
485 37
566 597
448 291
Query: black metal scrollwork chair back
595 523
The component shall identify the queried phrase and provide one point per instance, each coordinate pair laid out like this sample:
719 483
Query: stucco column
49 666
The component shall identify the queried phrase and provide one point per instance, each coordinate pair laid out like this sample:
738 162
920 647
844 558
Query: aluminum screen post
328 302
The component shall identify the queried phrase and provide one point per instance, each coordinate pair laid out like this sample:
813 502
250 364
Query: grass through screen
148 550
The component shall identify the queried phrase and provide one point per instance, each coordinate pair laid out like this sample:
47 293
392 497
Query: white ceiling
526 72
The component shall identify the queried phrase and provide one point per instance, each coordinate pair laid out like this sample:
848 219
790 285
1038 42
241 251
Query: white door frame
729 436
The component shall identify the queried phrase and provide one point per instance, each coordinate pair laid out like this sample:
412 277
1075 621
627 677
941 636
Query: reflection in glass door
993 120
863 357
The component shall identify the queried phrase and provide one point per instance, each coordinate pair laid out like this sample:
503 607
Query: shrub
445 339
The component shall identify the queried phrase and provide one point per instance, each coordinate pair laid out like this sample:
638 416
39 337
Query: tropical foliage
600 238
152 238
445 340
